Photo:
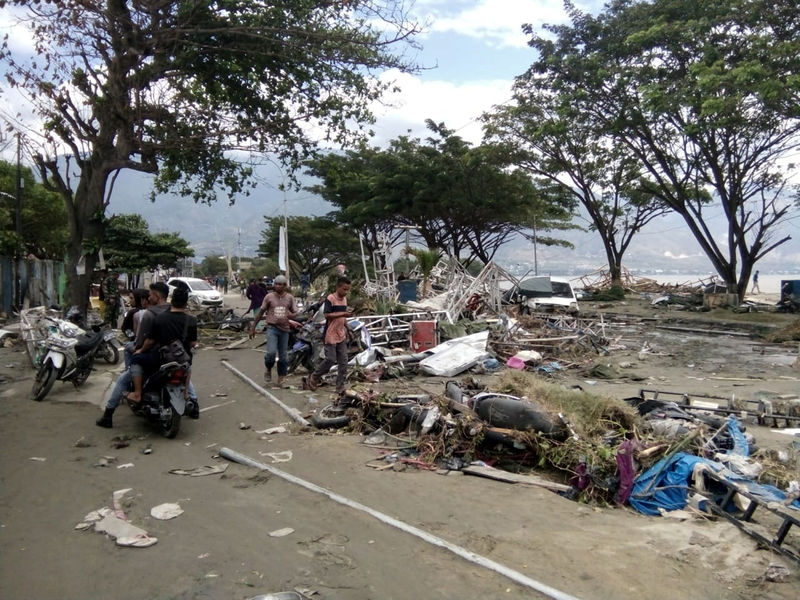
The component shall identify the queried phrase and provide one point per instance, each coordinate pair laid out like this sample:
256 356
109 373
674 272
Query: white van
545 293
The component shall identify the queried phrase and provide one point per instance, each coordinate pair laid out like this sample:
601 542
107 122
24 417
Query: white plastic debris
166 511
271 430
278 457
281 532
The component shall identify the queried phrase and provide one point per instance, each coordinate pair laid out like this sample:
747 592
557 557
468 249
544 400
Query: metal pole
20 243
535 257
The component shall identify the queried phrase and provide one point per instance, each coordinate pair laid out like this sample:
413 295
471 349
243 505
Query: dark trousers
335 354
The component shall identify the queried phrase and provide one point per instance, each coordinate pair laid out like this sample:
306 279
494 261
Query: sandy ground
221 547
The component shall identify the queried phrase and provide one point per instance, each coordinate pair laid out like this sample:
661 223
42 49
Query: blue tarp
666 484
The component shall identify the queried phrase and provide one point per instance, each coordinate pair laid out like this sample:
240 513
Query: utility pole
18 223
535 258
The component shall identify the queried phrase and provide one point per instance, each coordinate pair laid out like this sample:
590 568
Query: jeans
335 354
277 342
125 384
127 353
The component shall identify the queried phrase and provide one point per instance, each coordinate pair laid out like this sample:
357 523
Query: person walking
279 307
112 299
336 313
756 289
255 293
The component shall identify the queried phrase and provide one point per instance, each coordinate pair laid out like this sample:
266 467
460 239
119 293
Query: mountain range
665 245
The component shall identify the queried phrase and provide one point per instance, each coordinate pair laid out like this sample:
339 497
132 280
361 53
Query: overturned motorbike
69 355
164 398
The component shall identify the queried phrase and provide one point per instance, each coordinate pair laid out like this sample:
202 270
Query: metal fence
40 282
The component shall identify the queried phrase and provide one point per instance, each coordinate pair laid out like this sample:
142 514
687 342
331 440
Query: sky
471 51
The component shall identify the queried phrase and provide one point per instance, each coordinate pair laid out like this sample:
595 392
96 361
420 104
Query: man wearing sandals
279 308
336 315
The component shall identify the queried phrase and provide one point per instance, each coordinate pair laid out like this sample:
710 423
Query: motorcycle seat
88 341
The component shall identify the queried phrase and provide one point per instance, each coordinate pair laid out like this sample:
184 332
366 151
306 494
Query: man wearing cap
279 307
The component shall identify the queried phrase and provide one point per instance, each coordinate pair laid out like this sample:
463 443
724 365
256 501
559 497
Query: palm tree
426 261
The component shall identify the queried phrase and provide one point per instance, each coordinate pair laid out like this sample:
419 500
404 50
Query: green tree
181 90
43 228
130 247
347 183
465 201
703 93
316 244
211 266
554 141
426 261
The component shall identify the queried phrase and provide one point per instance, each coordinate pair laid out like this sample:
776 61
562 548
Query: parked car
200 291
539 294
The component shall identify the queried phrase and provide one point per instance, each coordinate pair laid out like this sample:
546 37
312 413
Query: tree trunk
85 215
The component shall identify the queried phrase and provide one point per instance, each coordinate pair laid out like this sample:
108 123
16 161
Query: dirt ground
221 546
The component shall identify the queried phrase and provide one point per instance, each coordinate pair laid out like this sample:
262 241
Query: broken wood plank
500 475
235 344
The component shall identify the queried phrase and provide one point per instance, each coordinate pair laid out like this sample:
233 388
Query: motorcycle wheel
170 423
331 417
45 378
110 353
294 360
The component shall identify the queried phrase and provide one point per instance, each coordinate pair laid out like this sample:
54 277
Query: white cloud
458 105
498 22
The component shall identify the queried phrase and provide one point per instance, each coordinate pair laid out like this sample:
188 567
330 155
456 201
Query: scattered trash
243 426
281 532
125 466
271 430
201 471
280 596
278 457
37 458
166 511
114 524
83 443
777 573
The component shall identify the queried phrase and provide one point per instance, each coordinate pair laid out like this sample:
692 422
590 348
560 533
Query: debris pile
648 453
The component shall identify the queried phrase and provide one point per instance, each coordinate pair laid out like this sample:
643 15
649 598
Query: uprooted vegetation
790 333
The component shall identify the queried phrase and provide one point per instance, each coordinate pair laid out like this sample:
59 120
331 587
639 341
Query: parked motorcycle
306 346
68 355
109 349
164 398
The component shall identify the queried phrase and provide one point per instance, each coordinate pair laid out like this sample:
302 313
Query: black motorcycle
164 398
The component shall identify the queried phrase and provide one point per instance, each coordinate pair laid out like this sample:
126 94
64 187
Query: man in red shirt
280 308
336 314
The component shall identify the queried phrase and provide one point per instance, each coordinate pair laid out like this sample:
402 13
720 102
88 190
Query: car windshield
561 289
199 285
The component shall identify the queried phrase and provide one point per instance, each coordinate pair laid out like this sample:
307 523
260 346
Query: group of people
279 308
154 323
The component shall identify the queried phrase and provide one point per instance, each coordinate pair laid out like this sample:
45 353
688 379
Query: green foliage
43 220
182 90
316 244
130 247
612 294
211 266
464 200
703 94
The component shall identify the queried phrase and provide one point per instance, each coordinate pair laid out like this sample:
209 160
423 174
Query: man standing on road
336 314
280 308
